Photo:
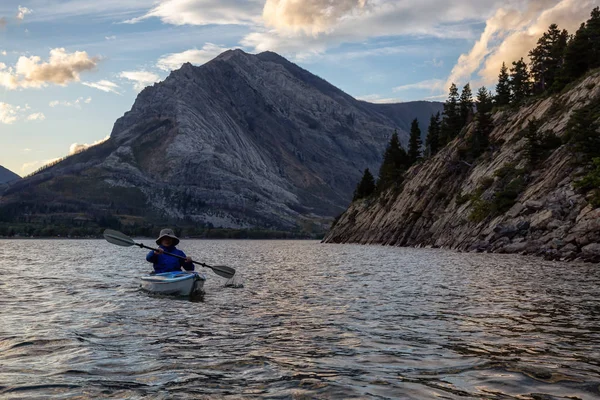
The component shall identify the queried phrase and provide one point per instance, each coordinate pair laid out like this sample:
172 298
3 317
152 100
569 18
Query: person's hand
158 251
188 259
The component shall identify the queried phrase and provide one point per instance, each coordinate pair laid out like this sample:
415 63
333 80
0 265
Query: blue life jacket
164 263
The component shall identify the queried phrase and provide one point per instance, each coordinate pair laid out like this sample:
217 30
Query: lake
312 320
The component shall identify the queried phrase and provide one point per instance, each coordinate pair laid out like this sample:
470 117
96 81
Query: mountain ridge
242 141
7 175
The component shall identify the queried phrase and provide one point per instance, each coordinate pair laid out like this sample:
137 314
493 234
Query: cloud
375 98
512 32
76 147
205 12
435 63
3 22
36 117
310 16
141 79
376 19
104 85
23 11
77 103
170 62
431 84
61 68
113 37
3 52
8 113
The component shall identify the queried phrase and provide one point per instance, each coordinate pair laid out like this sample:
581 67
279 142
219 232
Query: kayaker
163 263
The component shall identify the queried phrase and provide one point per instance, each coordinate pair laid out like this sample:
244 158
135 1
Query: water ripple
312 321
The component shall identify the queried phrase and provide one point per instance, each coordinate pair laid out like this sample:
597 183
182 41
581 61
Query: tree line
557 60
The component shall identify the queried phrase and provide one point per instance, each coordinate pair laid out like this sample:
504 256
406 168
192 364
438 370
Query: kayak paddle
120 239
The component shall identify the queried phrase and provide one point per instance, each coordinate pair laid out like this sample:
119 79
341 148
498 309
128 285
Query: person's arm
187 264
153 256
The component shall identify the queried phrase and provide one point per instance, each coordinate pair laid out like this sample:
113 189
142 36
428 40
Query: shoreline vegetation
187 233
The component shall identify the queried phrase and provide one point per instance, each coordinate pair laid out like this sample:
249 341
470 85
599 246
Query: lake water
312 321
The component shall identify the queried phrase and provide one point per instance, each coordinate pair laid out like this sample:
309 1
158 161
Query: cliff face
242 141
447 203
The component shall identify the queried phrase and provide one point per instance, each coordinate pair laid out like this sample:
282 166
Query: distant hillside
7 175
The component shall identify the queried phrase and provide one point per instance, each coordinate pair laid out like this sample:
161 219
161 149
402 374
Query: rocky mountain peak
241 141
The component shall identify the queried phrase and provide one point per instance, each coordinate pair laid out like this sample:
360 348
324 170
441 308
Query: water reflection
312 320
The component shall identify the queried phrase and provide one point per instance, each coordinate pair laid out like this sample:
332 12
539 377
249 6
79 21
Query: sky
70 68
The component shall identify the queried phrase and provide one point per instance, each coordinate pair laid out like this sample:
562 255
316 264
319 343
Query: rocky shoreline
443 200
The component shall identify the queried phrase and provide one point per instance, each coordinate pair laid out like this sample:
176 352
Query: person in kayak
164 263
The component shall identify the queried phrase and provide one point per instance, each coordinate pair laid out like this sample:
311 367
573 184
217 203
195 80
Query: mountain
7 176
242 141
501 202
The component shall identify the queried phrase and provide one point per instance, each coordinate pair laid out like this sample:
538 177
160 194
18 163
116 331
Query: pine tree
451 123
433 135
395 162
577 57
503 87
466 105
593 33
533 150
583 131
414 143
483 123
484 100
547 57
520 82
366 186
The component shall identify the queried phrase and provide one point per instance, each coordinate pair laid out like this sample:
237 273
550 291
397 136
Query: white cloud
61 68
8 113
77 103
173 61
141 79
431 84
205 12
512 32
437 97
435 63
76 147
3 52
27 150
378 18
113 37
104 85
36 117
310 16
23 11
375 98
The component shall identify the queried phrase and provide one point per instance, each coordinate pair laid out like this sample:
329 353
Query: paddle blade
118 238
222 270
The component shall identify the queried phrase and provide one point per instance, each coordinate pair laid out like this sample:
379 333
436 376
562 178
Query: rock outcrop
242 141
445 202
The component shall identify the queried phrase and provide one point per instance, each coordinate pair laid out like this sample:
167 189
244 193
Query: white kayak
177 283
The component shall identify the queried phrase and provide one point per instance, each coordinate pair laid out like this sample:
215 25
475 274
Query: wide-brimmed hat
167 233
